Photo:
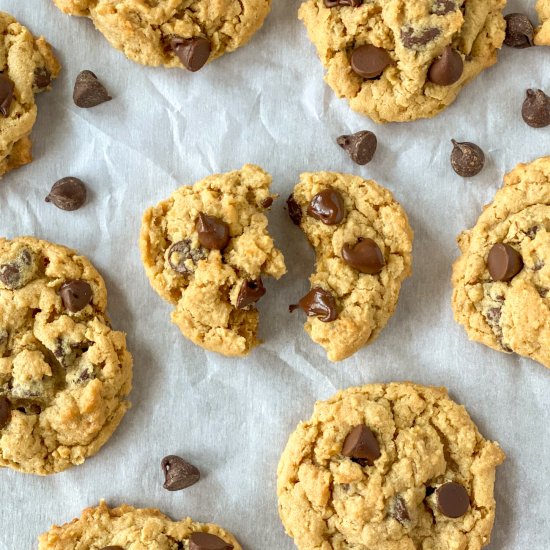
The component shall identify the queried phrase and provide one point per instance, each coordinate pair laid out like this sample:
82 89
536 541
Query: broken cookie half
206 249
363 243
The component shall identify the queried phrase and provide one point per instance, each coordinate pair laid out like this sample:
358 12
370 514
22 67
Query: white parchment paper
266 104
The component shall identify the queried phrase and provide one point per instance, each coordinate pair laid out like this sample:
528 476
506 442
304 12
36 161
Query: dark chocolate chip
536 109
206 541
493 315
399 511
320 303
294 210
192 52
443 7
452 499
532 231
504 262
519 31
89 91
6 94
361 443
447 68
76 295
365 256
178 474
538 265
42 77
250 293
334 3
467 159
360 146
266 203
180 253
68 194
327 206
10 275
414 39
543 292
213 232
5 412
369 61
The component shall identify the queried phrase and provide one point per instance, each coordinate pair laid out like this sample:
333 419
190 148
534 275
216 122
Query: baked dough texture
542 35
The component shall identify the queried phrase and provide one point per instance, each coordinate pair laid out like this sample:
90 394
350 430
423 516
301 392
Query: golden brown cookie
542 35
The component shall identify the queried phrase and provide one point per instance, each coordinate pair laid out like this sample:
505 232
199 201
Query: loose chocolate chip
180 253
76 295
467 159
504 262
6 94
361 443
414 39
360 146
519 31
206 541
178 474
327 206
452 499
365 256
447 68
5 412
443 7
68 194
536 109
42 77
213 232
192 52
400 512
89 91
369 61
320 303
334 3
294 210
250 293
266 203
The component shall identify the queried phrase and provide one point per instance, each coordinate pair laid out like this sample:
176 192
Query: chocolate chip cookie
397 466
363 242
27 67
205 250
502 279
126 527
64 373
542 35
402 60
173 33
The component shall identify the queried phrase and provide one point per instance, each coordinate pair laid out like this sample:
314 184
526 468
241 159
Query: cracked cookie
126 527
27 67
542 35
402 60
501 280
205 250
173 33
363 242
398 466
64 373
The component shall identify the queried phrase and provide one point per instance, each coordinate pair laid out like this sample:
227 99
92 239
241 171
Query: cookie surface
421 443
64 373
413 35
364 302
509 316
542 35
207 285
27 66
128 527
143 30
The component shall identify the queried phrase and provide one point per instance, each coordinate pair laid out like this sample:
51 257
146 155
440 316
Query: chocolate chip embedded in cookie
108 528
542 36
502 278
388 466
205 250
363 243
64 373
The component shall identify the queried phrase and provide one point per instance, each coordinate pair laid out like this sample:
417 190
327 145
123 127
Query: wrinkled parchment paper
266 104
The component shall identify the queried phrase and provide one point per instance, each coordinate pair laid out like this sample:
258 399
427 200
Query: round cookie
403 60
127 527
542 35
509 314
205 249
391 467
27 66
64 373
363 254
173 33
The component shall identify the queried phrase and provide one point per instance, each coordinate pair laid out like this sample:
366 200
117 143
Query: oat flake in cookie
27 67
403 60
501 282
363 242
393 467
64 373
126 527
205 250
542 36
173 33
